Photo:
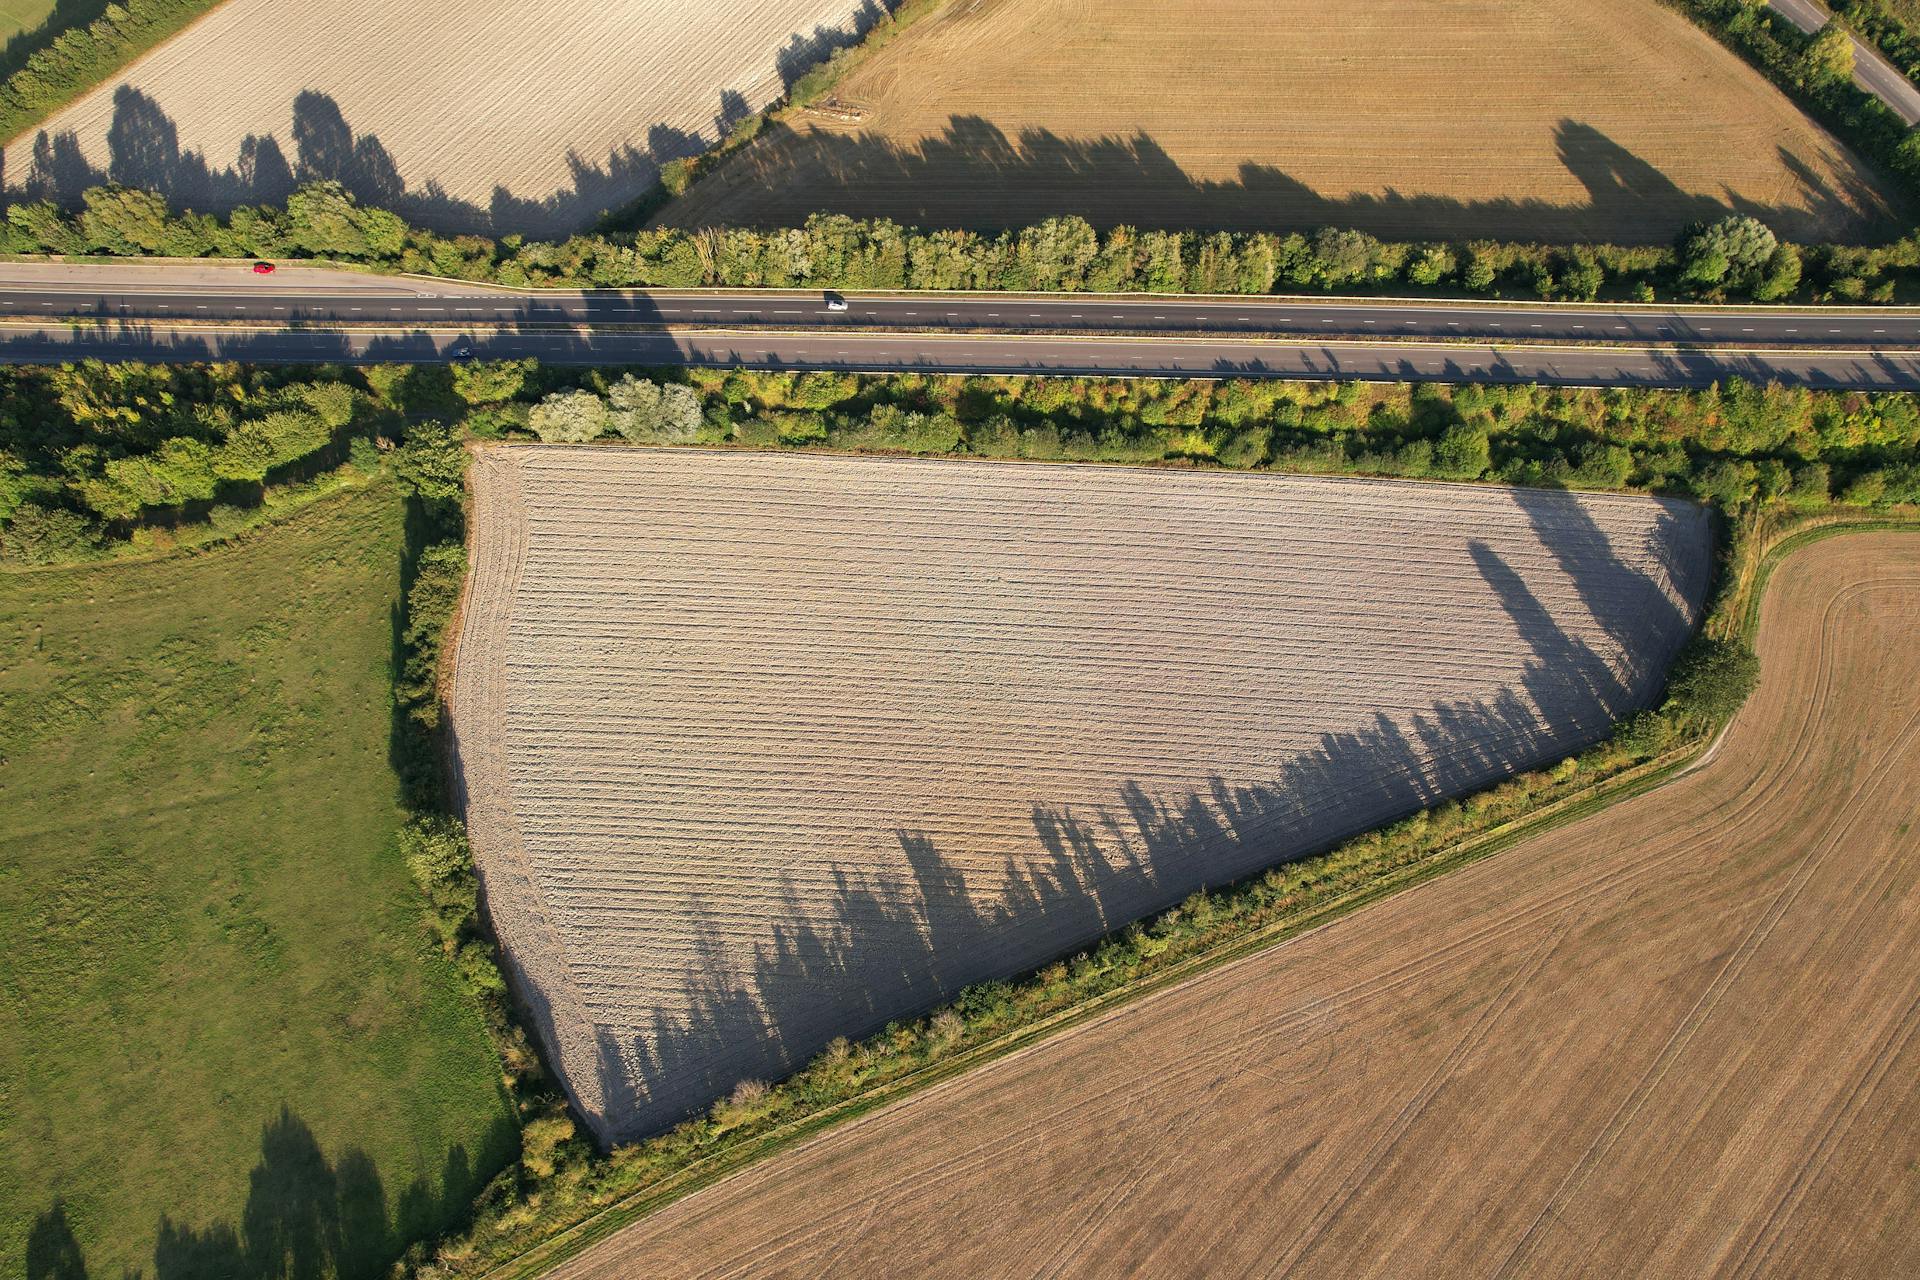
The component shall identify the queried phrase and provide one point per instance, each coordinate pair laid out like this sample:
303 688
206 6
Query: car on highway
835 302
461 351
263 268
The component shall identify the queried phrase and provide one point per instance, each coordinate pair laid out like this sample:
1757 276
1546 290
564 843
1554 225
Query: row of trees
90 452
87 450
1736 256
81 57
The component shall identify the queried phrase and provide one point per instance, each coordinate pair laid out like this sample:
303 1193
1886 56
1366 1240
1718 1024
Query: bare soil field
760 749
1676 1038
1528 119
530 117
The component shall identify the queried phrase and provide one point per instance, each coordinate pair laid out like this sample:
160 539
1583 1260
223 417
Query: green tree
432 461
570 417
490 381
1829 56
120 220
1463 452
1736 252
1712 678
644 412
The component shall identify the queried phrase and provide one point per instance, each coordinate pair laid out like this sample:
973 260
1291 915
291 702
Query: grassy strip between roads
588 1202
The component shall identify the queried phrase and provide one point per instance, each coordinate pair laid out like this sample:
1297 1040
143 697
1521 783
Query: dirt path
1674 1039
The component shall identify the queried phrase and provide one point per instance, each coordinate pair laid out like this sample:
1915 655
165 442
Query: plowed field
1529 119
761 749
527 117
1676 1038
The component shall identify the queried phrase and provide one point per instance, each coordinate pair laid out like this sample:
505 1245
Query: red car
263 268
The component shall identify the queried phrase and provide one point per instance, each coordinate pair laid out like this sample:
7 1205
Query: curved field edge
1755 552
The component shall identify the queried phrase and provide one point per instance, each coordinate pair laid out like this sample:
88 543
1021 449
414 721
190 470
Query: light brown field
760 749
1677 1038
533 116
1527 119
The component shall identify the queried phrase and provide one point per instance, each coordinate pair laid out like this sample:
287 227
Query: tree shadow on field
52 1251
891 943
306 1216
144 150
975 176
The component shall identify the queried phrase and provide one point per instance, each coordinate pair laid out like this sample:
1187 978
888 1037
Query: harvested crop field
531 117
1558 120
1675 1038
760 749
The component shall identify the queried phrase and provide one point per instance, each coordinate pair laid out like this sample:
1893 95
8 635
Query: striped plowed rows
1675 1038
762 749
534 116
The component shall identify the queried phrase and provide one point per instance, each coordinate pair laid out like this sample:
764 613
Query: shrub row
99 458
1886 29
1735 257
77 60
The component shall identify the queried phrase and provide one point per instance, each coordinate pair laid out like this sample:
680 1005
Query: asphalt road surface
1871 70
201 312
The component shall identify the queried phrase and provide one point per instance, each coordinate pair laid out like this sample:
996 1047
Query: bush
35 534
645 412
1711 678
570 417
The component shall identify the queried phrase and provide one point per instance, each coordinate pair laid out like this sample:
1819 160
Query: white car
836 303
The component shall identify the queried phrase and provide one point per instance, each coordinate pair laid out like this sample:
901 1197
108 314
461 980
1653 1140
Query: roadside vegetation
1737 257
227 1044
1893 26
104 460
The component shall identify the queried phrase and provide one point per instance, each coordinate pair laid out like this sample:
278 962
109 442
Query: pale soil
1674 1039
527 116
1525 119
762 749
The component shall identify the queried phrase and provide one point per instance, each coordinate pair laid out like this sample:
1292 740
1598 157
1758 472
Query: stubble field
1526 119
529 117
1674 1038
762 749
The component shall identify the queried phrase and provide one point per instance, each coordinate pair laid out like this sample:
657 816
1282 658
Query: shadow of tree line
144 151
306 1216
976 176
890 949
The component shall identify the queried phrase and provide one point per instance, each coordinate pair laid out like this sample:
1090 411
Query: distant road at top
1871 70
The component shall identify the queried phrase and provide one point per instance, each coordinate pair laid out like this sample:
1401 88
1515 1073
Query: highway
54 312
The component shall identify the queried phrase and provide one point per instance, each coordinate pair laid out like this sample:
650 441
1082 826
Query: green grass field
22 15
223 1034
